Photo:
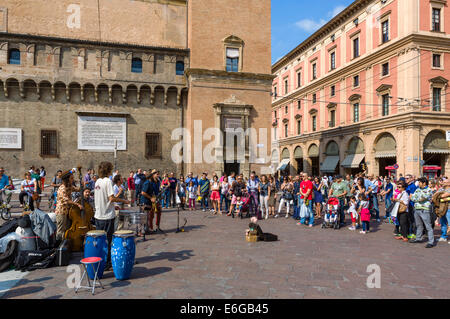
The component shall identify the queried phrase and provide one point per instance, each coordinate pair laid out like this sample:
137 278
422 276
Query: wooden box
252 237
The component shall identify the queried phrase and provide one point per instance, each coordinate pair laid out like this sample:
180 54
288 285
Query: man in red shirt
306 193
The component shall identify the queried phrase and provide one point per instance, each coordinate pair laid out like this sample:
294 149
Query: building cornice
5 36
236 76
412 119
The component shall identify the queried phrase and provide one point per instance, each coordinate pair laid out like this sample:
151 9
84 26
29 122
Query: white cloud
310 25
336 11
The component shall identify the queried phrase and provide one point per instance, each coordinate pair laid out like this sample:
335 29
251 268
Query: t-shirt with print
104 209
339 188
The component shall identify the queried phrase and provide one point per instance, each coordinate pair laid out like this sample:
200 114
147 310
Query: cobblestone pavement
211 259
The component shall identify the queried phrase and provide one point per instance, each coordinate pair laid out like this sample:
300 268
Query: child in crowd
192 190
365 213
353 212
239 204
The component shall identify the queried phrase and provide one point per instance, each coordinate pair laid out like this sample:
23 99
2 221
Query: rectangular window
314 98
49 143
275 93
314 71
333 60
286 88
285 130
299 104
333 90
299 79
437 99
436 60
385 69
232 60
436 20
332 118
385 102
356 81
385 31
299 127
153 145
286 109
356 112
356 48
314 123
275 115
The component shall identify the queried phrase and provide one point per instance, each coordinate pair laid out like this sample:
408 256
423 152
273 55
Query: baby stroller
331 218
245 198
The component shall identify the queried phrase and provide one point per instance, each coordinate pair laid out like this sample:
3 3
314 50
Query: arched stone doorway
331 163
386 153
435 154
313 154
298 157
355 156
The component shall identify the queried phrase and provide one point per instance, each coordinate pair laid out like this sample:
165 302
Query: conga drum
96 245
123 251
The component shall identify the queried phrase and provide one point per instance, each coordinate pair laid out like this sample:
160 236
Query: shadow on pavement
170 256
141 272
186 228
13 293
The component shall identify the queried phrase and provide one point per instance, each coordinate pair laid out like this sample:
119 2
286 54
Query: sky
293 21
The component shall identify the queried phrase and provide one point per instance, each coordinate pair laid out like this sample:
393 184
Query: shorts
233 200
215 195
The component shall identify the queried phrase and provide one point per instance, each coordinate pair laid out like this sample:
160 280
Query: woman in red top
131 189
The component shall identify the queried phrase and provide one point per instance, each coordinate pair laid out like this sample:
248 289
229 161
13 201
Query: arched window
136 65
14 56
180 68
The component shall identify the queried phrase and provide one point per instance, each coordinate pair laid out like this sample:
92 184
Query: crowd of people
414 206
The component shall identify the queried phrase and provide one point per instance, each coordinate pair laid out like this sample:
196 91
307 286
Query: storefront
435 152
331 163
355 158
283 167
313 154
385 153
298 157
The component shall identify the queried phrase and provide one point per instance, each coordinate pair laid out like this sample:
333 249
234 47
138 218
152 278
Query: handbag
402 207
390 208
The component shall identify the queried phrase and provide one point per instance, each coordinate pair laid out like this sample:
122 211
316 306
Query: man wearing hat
203 191
150 192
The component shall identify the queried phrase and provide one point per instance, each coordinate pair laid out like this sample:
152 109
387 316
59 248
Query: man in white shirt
104 208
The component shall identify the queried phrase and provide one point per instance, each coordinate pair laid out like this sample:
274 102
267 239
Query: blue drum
123 251
96 245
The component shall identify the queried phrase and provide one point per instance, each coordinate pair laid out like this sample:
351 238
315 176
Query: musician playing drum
150 194
105 214
63 204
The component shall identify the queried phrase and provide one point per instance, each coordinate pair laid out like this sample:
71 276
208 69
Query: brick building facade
369 89
151 66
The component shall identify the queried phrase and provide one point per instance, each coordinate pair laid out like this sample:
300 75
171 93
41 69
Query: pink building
368 89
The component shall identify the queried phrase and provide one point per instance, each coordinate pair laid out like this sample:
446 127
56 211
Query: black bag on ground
63 254
262 236
8 227
27 258
270 237
10 254
47 262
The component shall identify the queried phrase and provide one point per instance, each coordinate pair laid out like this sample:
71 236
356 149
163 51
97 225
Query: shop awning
283 164
330 163
353 160
385 154
436 151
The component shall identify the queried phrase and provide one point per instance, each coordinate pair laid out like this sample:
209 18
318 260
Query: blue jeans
166 199
387 203
297 203
223 198
311 214
444 224
375 205
204 201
